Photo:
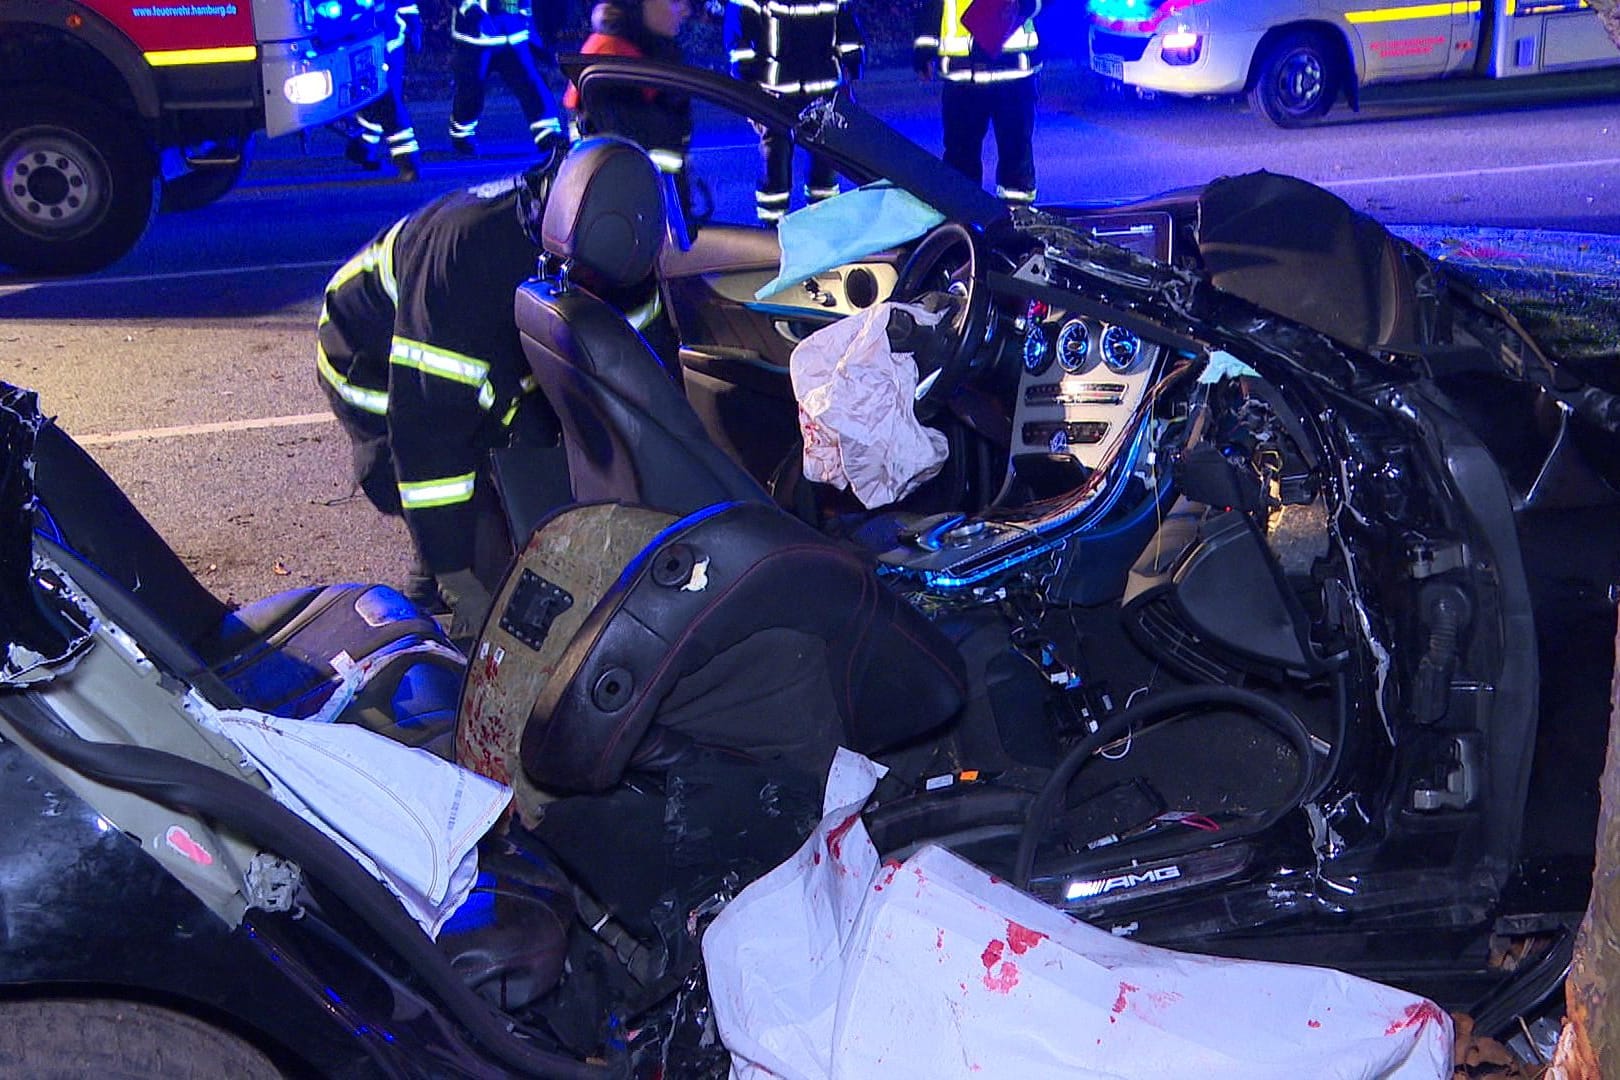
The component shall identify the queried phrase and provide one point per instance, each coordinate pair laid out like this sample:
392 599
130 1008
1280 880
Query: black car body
1292 523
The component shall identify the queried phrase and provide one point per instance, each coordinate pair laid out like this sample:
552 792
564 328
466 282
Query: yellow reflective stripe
426 494
667 161
528 384
1413 11
511 413
441 362
377 256
384 257
486 396
371 401
236 54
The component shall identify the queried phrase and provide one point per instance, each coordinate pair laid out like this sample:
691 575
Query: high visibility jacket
794 46
941 35
489 23
426 312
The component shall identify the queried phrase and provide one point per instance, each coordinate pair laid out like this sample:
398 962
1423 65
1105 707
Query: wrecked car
1262 606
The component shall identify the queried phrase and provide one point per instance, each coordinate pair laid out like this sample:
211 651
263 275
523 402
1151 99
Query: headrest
605 213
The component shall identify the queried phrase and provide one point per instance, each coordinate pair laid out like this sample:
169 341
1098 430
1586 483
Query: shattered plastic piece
856 413
272 883
845 229
1223 365
832 966
700 576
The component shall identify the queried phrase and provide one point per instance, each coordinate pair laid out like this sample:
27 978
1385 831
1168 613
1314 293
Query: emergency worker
387 117
656 120
493 36
795 50
988 84
420 357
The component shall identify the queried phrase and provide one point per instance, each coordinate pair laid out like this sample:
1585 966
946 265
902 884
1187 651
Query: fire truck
1296 58
109 107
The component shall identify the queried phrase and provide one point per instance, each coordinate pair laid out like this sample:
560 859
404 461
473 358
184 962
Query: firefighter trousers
387 118
471 67
970 109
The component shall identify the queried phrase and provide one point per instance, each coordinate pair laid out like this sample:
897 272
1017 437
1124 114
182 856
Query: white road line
177 275
203 429
1459 174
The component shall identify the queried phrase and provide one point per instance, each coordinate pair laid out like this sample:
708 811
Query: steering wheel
947 260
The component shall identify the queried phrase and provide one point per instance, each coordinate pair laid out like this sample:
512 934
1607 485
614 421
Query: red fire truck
105 104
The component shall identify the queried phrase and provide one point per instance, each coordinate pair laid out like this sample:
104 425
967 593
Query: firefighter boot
362 154
409 168
464 145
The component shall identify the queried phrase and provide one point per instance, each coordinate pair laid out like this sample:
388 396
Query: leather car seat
628 431
735 629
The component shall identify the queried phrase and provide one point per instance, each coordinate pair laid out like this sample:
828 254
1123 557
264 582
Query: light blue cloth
1223 365
845 229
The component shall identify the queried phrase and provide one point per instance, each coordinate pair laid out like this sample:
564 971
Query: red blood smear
992 953
1122 1000
835 838
939 939
1313 1023
1003 979
1424 1012
1022 938
182 842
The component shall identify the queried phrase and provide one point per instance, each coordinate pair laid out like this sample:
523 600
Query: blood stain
1120 1002
1021 938
1423 1012
1313 1023
835 837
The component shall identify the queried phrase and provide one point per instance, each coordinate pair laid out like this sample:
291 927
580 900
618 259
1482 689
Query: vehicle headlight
308 88
1181 47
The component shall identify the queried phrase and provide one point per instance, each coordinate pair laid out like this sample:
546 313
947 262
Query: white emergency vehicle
1295 58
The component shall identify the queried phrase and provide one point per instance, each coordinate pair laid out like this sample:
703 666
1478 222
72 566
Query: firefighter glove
469 603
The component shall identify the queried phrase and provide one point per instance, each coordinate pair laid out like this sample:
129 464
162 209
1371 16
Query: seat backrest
629 433
738 629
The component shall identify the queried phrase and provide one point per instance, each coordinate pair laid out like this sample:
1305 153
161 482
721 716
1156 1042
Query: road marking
203 429
1459 174
176 275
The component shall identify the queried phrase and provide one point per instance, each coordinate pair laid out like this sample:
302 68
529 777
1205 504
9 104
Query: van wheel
77 184
1298 79
61 1039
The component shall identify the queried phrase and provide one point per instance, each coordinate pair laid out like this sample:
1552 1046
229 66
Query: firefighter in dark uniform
987 85
658 121
387 118
797 50
493 36
421 360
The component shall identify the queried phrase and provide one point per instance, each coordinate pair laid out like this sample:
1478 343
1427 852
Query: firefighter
387 117
493 36
420 357
656 120
796 50
988 84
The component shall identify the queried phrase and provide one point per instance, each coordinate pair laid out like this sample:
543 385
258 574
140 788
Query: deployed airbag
832 966
856 408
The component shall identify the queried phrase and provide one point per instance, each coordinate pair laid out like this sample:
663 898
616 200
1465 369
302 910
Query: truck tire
1297 80
78 184
66 1039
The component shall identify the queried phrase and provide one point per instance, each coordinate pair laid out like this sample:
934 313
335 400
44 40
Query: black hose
194 788
1161 706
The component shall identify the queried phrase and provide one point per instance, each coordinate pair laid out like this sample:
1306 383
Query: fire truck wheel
1297 79
57 1039
78 184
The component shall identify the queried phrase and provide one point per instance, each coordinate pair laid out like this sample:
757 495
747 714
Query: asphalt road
187 368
